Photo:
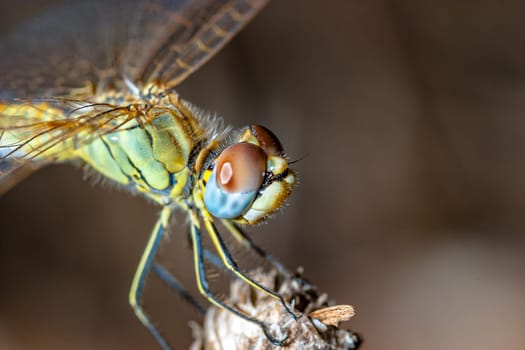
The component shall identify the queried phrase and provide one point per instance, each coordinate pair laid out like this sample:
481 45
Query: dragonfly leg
209 256
174 284
202 283
146 262
231 265
246 241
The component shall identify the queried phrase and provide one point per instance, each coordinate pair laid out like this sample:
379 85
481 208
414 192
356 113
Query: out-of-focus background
411 115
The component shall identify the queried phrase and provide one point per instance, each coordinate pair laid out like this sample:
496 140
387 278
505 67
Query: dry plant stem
223 330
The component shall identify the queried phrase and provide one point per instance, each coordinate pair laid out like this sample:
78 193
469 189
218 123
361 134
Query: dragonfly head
249 179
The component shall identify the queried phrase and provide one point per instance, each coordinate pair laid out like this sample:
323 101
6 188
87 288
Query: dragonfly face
248 180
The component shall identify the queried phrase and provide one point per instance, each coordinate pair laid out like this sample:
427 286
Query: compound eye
268 141
240 168
235 180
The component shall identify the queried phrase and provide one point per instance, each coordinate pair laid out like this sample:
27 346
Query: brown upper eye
240 168
268 141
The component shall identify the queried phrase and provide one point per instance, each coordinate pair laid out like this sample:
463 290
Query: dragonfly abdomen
33 132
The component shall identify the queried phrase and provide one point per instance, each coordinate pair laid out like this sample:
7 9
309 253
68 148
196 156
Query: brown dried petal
333 315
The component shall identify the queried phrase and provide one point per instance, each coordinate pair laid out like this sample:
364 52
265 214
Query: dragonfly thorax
148 149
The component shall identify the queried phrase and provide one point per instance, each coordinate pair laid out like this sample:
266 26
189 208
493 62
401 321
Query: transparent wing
63 50
96 44
12 173
187 35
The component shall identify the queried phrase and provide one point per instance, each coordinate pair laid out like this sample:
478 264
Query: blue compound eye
235 180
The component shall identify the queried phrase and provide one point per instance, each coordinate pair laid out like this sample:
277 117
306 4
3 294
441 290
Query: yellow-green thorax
150 153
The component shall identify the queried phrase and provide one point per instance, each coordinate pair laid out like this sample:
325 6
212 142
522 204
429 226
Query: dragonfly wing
186 34
93 46
68 50
13 172
51 69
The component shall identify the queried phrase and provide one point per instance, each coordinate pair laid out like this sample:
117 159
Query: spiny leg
174 284
209 256
246 241
145 264
202 283
230 263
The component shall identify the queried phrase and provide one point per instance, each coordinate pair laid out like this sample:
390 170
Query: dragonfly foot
290 310
271 338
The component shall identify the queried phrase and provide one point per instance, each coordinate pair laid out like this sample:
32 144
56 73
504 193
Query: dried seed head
223 330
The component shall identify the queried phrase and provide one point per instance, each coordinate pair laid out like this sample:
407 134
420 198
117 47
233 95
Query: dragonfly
95 83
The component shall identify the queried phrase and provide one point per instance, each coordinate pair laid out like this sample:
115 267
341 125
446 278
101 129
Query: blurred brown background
411 117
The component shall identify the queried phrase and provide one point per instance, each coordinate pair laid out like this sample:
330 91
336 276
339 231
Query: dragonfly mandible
94 82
